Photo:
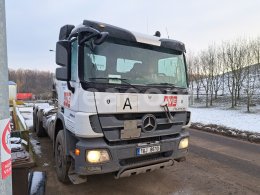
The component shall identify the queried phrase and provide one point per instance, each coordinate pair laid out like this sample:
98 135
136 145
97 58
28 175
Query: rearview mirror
62 74
63 53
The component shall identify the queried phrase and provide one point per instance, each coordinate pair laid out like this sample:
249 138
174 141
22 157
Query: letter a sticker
127 103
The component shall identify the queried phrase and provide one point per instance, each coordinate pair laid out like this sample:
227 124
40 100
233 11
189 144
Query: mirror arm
83 30
101 38
72 89
87 38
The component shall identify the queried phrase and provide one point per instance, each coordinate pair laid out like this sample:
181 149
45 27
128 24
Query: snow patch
21 118
25 115
236 119
29 123
36 146
37 183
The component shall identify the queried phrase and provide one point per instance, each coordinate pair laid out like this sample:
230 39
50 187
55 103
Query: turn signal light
77 152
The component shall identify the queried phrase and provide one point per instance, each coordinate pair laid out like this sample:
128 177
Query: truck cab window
99 61
167 66
74 60
138 65
95 65
125 65
172 69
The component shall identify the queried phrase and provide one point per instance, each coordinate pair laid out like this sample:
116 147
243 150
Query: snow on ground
38 182
27 116
29 124
22 120
26 109
36 146
237 119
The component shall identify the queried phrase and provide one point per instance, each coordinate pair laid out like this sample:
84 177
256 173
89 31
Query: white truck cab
122 102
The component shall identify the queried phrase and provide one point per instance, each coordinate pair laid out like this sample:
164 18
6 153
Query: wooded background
231 68
32 81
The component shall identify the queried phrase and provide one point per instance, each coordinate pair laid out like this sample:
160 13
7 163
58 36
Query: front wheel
62 161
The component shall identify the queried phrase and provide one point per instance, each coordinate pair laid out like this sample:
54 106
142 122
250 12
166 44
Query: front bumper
124 159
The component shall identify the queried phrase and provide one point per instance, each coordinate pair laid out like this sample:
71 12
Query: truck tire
40 131
61 159
34 119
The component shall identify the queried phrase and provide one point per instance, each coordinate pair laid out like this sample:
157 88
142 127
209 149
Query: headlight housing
184 143
97 156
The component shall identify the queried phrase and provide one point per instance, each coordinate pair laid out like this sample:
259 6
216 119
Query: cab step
75 178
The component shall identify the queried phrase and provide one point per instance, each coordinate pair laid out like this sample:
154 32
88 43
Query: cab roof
120 33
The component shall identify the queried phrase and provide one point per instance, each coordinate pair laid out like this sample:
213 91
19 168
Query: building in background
12 90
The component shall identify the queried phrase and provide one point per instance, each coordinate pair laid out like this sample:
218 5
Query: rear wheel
61 159
34 119
40 131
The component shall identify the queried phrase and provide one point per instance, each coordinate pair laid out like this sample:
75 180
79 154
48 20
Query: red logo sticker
6 163
6 168
5 138
171 100
67 96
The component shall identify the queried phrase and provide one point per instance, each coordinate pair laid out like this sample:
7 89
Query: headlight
184 143
97 156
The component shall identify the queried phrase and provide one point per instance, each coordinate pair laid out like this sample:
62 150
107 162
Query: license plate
148 150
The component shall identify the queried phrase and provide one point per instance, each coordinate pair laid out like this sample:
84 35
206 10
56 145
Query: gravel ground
215 165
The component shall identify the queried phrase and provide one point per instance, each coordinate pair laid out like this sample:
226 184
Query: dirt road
215 165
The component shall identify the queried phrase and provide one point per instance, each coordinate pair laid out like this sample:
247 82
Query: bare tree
233 66
194 71
212 69
218 73
234 56
197 76
191 74
252 70
207 61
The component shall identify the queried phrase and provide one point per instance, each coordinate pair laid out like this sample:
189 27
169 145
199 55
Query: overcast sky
33 25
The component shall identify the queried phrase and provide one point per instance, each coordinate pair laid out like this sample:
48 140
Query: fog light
184 143
97 156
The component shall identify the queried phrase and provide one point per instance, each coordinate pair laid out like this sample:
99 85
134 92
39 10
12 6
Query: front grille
141 159
112 124
143 140
139 116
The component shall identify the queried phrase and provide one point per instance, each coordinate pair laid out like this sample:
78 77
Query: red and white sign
5 151
67 98
171 100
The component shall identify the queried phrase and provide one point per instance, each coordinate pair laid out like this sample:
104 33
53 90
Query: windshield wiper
165 85
115 78
161 84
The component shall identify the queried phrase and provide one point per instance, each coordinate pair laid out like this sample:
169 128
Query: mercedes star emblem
149 123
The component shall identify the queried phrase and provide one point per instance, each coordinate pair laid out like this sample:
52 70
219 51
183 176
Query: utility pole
5 153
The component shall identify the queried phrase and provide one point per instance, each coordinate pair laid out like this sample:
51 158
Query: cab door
74 82
71 94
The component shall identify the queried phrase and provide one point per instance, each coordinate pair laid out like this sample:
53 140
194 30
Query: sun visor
172 44
113 31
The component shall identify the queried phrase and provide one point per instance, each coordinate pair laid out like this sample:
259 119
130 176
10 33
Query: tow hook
167 112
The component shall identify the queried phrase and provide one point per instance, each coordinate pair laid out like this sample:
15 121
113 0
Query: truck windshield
116 63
